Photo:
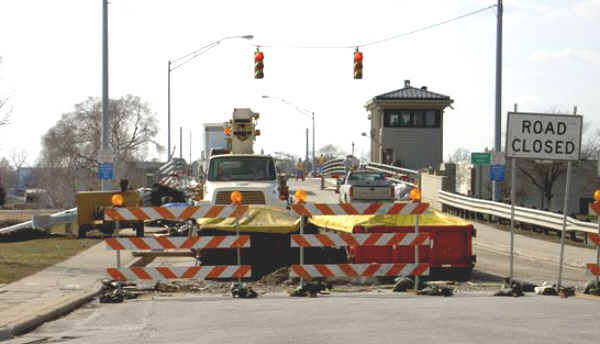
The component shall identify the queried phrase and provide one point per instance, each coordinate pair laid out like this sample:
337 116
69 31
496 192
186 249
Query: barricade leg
598 256
118 252
239 257
301 248
417 252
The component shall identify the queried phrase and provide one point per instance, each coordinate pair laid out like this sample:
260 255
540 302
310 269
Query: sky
52 59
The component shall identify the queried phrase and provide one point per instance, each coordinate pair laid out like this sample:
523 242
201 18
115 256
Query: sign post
545 137
106 170
479 159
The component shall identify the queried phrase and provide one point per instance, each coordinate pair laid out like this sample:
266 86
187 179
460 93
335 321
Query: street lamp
376 141
178 62
306 113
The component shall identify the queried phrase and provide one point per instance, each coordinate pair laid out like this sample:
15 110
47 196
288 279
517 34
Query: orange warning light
117 200
597 195
236 197
300 196
415 195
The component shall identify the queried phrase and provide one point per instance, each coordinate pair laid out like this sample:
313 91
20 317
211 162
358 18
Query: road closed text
539 136
549 146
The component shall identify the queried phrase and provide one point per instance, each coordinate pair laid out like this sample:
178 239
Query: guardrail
525 215
397 172
333 167
390 168
43 222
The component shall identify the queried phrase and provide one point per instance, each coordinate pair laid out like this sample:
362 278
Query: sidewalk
494 239
57 290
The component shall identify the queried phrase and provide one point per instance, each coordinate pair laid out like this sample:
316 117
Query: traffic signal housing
259 57
358 64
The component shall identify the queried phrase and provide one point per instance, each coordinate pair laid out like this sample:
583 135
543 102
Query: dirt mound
277 277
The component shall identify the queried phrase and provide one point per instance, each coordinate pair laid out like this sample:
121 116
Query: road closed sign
543 136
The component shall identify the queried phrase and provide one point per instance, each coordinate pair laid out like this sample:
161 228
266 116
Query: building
407 127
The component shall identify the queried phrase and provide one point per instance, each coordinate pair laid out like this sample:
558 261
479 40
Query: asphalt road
337 318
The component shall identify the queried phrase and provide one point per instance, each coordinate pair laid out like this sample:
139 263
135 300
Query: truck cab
254 176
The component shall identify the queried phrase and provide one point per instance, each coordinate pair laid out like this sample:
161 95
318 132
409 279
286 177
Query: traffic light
358 58
258 64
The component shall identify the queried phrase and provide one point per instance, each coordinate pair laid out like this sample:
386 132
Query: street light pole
307 113
178 62
496 187
104 136
169 111
313 157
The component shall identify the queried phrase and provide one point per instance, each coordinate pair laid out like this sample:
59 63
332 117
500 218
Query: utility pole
313 152
307 144
169 112
180 142
104 147
497 187
352 148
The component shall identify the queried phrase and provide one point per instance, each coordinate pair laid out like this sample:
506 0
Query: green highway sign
481 158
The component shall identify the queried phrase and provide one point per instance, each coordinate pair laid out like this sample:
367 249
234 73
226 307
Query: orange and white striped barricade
369 239
161 273
201 210
175 243
594 269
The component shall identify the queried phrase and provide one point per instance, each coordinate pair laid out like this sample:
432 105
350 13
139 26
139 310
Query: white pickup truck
367 186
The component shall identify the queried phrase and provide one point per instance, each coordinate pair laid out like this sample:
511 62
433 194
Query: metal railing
43 222
397 173
536 217
333 167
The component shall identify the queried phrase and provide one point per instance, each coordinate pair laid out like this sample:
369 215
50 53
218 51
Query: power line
381 40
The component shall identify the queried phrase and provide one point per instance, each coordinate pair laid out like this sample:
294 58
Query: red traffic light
358 56
358 66
259 56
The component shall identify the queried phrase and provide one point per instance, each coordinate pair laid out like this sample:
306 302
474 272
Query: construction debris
434 290
242 291
114 292
277 277
546 289
591 289
513 290
312 288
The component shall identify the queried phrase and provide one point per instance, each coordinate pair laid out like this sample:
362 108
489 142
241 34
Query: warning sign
543 136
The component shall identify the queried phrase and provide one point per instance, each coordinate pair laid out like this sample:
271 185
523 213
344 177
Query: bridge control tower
407 127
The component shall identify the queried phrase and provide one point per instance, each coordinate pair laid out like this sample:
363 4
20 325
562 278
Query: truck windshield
241 168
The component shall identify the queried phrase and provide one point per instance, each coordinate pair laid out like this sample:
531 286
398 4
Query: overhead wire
360 45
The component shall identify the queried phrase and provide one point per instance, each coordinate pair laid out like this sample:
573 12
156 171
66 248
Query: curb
34 321
52 313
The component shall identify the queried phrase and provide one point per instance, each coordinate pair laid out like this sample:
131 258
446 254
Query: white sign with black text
543 136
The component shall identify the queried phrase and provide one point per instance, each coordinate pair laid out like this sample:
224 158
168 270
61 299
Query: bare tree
18 158
70 148
331 152
4 111
460 154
